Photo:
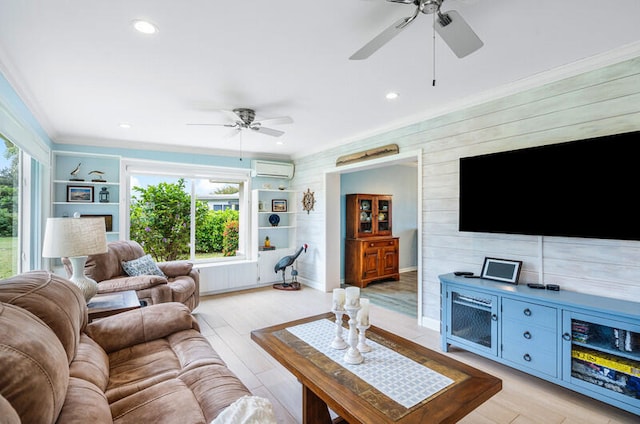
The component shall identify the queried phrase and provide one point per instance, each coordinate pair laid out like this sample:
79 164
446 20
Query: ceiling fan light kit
451 27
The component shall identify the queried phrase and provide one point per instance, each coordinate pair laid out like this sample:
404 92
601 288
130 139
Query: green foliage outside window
230 237
9 192
209 235
161 223
160 220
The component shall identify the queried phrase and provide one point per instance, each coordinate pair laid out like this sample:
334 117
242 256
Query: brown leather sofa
149 365
181 282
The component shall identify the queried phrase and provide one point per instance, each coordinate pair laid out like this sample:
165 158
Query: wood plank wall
600 102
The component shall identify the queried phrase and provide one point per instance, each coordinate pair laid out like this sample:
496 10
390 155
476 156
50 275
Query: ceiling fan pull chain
433 83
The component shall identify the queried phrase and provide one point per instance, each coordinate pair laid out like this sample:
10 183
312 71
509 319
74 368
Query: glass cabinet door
383 215
473 319
602 355
366 218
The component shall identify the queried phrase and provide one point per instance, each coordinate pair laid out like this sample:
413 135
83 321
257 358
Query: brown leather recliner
148 365
181 282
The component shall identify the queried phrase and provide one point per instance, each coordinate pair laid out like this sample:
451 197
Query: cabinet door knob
566 336
527 312
526 335
526 357
494 317
370 244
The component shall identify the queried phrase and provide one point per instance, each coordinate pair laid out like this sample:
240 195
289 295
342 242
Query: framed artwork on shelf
279 205
108 220
79 194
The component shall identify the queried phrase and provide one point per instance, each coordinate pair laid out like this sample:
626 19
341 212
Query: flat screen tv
586 188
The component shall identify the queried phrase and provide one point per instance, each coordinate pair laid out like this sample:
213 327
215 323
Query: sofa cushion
141 266
34 372
140 282
54 299
170 401
91 363
85 403
141 325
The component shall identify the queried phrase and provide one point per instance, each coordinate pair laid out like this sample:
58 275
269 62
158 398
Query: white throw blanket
247 410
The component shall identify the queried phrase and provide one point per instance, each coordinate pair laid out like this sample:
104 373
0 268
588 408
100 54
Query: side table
106 304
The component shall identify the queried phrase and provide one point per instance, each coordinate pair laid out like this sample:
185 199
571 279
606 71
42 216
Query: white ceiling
82 69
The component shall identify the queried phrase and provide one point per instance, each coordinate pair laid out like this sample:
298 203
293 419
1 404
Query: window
9 208
184 212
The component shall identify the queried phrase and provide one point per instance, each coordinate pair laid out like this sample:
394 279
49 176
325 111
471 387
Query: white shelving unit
265 203
64 163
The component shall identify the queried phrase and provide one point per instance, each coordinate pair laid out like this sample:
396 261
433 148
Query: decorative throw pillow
141 266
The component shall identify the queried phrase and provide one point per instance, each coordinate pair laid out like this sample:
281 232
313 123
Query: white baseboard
430 323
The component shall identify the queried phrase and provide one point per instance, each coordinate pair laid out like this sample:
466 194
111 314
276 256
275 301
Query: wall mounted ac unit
263 168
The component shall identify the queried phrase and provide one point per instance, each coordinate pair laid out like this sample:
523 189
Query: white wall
598 102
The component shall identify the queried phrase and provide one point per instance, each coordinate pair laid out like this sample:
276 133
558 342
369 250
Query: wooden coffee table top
358 402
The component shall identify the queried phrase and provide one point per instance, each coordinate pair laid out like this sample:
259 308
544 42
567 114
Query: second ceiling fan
454 30
244 118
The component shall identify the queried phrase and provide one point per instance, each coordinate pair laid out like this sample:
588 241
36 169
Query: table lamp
76 238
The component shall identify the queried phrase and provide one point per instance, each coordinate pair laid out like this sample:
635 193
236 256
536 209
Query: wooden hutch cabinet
371 251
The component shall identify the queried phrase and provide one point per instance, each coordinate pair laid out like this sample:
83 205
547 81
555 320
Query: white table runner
398 377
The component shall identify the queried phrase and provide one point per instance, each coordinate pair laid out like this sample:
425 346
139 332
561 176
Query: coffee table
329 384
106 304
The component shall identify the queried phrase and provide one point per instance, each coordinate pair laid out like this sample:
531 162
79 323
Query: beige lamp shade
76 238
70 237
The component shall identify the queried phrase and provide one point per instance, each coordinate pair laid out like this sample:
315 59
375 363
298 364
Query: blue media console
589 344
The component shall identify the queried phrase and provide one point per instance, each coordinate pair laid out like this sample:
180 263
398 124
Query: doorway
334 235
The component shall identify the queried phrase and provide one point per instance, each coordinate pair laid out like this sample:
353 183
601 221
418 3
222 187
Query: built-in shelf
63 163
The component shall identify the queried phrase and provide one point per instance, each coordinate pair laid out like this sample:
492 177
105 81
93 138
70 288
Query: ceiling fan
449 25
244 119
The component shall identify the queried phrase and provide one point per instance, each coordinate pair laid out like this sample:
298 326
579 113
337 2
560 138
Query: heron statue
282 265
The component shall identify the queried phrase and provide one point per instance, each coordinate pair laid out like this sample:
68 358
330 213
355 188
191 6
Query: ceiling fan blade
277 121
383 38
267 131
457 33
214 125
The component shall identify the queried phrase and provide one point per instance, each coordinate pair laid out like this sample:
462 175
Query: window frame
19 127
242 176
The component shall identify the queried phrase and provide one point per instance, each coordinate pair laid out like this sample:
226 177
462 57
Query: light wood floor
227 320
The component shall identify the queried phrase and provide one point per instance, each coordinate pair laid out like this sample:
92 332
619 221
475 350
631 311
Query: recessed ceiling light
124 125
280 142
145 27
391 95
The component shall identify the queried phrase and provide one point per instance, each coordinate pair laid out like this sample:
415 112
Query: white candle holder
338 342
353 355
362 340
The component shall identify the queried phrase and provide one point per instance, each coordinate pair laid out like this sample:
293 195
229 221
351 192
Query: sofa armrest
141 325
139 282
174 269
